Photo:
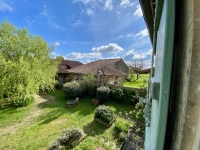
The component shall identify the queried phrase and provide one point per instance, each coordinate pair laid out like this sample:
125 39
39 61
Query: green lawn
38 131
137 83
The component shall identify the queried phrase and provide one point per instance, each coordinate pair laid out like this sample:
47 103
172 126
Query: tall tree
25 63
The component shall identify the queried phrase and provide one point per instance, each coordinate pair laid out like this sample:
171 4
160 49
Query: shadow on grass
56 106
49 117
84 107
94 128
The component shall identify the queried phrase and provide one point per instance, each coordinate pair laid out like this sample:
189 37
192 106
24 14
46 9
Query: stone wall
114 80
120 65
183 129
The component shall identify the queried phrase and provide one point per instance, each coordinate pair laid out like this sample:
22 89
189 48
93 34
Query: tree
25 63
137 66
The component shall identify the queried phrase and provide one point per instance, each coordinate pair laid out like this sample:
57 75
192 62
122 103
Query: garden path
39 100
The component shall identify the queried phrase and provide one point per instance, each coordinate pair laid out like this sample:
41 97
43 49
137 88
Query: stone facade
183 132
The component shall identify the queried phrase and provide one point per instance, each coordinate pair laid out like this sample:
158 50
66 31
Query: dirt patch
58 121
41 100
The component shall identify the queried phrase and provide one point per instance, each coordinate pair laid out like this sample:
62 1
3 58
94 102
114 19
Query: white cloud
86 61
92 3
108 5
144 58
129 55
50 21
4 6
126 3
129 35
89 12
138 13
83 55
54 55
142 33
110 48
28 20
83 1
77 23
45 12
121 36
73 21
132 55
56 43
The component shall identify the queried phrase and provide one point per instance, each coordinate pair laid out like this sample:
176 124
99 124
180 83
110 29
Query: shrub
142 92
55 146
102 93
91 90
89 82
104 114
69 138
73 89
56 84
137 117
122 136
67 79
122 126
116 94
130 97
20 102
124 96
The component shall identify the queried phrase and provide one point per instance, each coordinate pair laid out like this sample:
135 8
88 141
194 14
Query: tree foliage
25 63
89 82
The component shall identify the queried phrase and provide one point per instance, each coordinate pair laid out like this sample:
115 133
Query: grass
41 131
137 83
10 115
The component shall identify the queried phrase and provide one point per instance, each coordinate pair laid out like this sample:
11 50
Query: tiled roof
92 68
111 71
145 71
67 64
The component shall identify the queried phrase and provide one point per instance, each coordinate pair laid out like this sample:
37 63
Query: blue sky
84 30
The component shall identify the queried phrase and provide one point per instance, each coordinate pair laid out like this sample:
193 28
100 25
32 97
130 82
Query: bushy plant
102 93
122 126
73 89
116 94
89 82
55 146
19 102
67 79
104 114
125 96
142 92
122 136
69 138
137 117
130 96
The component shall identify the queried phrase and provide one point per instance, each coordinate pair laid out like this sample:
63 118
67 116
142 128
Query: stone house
63 68
108 71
